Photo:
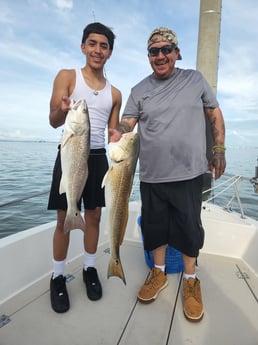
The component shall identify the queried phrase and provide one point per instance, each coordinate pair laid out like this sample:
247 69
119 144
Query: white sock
161 267
58 268
89 260
187 276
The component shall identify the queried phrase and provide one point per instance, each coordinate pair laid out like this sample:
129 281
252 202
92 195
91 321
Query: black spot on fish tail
115 269
73 222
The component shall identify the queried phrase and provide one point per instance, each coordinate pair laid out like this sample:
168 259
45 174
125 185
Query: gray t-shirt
171 125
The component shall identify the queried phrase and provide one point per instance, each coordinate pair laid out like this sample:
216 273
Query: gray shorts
171 214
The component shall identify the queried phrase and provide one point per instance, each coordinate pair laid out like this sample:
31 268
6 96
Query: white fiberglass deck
230 296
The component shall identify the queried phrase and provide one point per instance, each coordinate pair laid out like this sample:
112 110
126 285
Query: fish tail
74 221
115 269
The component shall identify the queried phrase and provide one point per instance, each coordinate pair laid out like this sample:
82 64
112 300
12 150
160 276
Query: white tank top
99 107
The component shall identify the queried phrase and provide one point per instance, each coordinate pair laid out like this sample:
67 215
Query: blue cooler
173 260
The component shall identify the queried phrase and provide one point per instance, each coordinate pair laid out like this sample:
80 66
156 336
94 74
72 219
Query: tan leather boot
193 306
156 281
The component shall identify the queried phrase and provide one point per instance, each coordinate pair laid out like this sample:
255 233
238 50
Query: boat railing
229 189
24 211
26 197
226 189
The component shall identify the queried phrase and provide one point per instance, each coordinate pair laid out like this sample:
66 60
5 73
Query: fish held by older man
118 185
75 148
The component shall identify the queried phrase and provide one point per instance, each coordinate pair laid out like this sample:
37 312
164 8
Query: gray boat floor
230 296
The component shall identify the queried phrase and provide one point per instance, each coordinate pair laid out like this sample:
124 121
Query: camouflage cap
165 35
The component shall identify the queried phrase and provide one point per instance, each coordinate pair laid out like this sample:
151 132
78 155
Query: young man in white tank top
104 102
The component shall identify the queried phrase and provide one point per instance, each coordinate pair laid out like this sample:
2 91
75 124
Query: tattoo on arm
216 128
124 127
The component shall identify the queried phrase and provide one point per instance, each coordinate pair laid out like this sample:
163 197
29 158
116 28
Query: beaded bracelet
219 147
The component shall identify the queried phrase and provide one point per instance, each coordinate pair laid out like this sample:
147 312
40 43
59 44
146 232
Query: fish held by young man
118 185
75 148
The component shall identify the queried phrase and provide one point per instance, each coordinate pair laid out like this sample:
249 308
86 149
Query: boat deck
230 296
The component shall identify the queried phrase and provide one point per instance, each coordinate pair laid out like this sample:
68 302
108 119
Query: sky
40 37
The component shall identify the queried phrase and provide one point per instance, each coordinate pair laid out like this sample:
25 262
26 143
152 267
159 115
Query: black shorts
171 214
93 195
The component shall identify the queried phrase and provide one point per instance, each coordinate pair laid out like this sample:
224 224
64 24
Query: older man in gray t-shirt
170 107
171 124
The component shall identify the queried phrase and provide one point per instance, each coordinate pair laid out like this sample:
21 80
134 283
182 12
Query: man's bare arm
60 102
218 162
125 125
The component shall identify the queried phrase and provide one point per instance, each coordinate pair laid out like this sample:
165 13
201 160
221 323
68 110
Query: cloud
63 4
238 72
241 131
40 37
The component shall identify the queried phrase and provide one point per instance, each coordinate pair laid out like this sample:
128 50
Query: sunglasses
154 51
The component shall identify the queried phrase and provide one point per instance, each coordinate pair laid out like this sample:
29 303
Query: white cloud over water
38 38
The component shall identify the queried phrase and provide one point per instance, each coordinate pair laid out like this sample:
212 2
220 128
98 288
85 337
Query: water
26 170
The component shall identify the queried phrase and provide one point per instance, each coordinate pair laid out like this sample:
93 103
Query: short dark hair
98 28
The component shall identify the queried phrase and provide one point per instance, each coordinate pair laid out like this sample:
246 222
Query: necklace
96 90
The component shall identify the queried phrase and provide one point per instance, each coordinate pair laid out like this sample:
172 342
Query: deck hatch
69 278
242 275
4 320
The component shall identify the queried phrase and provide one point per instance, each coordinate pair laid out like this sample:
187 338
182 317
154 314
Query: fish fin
74 221
61 187
115 269
66 138
104 181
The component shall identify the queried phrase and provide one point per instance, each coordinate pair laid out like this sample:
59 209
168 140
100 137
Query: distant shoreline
57 142
27 141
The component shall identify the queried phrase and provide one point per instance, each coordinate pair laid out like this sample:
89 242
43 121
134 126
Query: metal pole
208 58
208 40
